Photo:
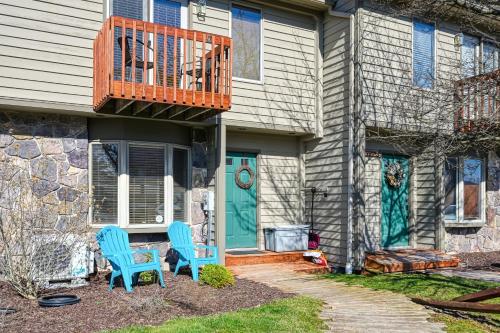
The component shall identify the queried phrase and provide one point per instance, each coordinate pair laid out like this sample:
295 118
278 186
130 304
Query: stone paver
470 274
347 308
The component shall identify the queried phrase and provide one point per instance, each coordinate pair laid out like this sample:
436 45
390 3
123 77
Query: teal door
394 229
241 200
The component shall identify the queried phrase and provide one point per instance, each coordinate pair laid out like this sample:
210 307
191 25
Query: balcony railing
147 69
478 100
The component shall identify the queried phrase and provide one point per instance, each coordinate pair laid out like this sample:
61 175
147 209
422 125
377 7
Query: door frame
260 235
412 199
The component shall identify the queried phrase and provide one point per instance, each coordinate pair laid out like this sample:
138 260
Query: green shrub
148 277
216 276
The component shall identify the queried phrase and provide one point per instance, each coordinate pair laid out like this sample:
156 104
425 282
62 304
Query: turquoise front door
394 229
241 200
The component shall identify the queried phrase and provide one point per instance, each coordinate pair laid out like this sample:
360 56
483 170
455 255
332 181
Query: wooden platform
265 257
408 260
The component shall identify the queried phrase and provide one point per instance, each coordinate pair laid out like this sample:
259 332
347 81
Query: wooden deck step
264 257
290 267
408 260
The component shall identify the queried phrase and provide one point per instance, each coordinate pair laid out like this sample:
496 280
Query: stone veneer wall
487 237
54 149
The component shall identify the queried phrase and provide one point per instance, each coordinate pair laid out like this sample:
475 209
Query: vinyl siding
425 220
286 97
326 159
46 50
373 204
277 177
390 100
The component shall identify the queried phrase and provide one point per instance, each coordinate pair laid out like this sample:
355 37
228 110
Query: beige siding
277 176
285 99
425 204
326 159
390 100
373 204
46 50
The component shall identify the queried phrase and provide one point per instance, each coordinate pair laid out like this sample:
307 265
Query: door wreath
394 175
238 180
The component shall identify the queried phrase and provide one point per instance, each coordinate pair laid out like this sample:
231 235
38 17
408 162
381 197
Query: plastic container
286 238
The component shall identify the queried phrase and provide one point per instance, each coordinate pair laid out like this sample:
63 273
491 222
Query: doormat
245 252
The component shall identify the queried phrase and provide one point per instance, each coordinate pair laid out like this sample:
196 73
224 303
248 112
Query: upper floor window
490 57
246 34
470 55
423 54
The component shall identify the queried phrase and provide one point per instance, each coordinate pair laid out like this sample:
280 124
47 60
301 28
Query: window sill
477 224
138 230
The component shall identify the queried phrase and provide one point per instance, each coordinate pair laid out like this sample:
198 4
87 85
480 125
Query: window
470 55
423 54
464 189
246 34
105 171
139 184
490 57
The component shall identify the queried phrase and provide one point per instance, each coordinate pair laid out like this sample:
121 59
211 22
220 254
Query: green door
241 200
395 215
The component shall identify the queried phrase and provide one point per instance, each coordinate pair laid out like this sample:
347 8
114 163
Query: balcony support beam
178 111
122 104
140 106
158 109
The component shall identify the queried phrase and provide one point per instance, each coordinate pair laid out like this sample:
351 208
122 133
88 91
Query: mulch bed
101 309
489 261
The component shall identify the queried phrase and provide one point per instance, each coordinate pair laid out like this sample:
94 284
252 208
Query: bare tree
37 237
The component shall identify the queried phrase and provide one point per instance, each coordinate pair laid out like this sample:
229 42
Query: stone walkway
347 308
470 274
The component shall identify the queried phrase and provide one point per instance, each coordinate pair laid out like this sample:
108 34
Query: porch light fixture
201 8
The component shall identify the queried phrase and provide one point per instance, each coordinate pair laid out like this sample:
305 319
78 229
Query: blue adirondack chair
182 242
115 247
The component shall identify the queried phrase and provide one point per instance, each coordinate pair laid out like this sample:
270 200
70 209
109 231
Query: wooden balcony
478 102
157 71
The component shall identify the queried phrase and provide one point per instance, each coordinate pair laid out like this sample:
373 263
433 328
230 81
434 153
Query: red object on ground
313 243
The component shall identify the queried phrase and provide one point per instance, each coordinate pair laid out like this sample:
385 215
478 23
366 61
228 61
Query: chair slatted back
113 240
180 237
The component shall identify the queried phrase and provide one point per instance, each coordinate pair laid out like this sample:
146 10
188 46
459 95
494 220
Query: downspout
350 153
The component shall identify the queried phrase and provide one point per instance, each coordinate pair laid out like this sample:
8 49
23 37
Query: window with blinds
105 171
146 168
180 177
423 54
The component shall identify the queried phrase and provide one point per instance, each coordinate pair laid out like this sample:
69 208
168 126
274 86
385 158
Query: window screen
180 176
423 54
450 188
146 184
105 161
246 34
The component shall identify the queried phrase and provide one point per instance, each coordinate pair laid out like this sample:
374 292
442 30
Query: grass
297 314
433 286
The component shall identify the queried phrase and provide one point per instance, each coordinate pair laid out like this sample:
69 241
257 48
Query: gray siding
373 205
326 159
46 50
286 98
425 219
278 177
389 98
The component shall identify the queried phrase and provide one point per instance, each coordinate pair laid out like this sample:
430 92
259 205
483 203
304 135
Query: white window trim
435 54
148 6
261 65
460 193
123 184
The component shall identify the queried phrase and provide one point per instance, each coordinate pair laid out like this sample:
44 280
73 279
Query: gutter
350 154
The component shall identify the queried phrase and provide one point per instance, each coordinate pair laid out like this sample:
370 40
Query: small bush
217 276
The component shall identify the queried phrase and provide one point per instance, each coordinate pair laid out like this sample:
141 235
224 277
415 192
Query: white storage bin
287 238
